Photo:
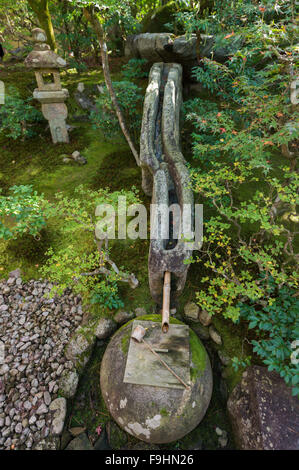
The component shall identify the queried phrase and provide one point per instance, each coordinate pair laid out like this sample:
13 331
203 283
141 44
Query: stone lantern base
55 111
151 413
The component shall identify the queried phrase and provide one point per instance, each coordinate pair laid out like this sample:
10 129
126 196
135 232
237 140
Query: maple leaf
229 35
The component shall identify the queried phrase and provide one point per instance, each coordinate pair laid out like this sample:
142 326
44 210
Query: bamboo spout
166 302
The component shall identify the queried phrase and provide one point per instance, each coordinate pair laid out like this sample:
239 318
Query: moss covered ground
37 161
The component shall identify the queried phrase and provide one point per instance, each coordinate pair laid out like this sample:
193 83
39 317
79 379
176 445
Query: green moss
164 412
233 344
125 342
117 437
198 353
198 356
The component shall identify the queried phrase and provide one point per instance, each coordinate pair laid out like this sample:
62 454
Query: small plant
129 98
106 294
240 363
85 264
21 212
134 69
17 116
277 326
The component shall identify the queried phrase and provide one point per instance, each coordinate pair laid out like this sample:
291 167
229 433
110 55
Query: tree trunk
95 22
41 9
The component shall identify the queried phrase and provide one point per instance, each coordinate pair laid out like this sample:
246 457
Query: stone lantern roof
42 57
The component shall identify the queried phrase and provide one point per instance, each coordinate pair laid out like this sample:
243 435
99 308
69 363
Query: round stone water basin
155 414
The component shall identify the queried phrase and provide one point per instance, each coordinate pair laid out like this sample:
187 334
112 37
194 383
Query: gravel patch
34 330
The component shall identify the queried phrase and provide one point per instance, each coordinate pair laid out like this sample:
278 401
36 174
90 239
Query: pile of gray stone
34 330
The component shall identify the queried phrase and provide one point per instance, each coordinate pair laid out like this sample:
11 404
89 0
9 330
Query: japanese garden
149 225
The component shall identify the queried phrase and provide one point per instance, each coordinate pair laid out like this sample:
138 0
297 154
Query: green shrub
106 294
134 69
21 213
18 116
277 326
129 99
84 265
244 137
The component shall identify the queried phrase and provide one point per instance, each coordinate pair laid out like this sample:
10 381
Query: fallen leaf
76 431
229 35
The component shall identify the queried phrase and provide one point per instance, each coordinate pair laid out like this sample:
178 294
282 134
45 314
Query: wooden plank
144 368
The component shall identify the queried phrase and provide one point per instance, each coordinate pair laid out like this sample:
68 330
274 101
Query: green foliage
111 13
238 363
278 332
15 22
21 213
247 237
17 116
129 98
81 266
106 294
248 187
134 69
74 36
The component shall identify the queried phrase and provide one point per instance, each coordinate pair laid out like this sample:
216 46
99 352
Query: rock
4 369
58 406
201 331
167 47
16 273
80 442
32 420
105 328
76 155
47 398
223 441
204 318
80 347
18 428
225 360
117 438
65 439
42 409
191 310
140 311
154 414
68 383
102 442
80 87
123 317
50 443
214 335
263 412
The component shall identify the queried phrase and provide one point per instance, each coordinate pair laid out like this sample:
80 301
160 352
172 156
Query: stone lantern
46 65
